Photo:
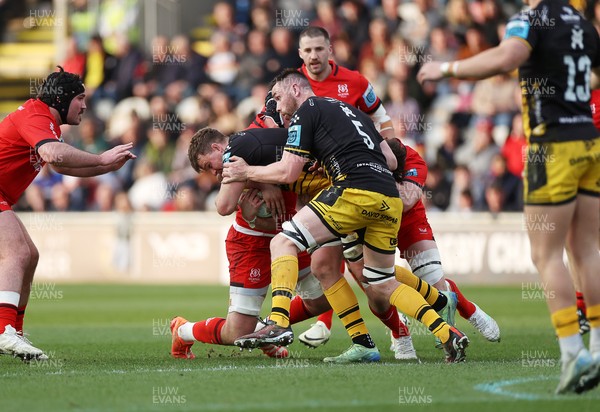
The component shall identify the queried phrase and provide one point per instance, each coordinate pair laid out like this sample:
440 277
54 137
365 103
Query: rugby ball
263 210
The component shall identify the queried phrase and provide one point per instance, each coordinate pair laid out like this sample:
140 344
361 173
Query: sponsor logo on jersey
410 172
294 133
226 157
343 90
568 15
517 28
369 96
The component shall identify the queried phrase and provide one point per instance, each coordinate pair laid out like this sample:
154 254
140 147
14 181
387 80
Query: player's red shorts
250 260
413 228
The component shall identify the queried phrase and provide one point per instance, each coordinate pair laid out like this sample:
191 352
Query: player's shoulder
256 136
33 108
343 73
413 157
321 104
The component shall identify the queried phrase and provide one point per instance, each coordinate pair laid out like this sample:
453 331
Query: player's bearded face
286 103
76 109
315 52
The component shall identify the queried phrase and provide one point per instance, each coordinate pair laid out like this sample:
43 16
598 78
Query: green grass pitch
109 348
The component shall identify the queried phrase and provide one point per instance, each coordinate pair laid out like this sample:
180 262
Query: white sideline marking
223 368
500 388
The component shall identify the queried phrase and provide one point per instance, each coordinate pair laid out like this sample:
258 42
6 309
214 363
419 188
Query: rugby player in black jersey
556 50
363 198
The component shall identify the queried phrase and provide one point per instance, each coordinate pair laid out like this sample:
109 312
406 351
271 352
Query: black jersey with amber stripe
345 141
258 147
555 80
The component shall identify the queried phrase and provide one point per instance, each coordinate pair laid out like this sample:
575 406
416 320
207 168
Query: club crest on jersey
294 135
343 90
226 157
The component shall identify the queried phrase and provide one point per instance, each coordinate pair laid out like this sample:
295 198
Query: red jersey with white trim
21 134
595 105
415 171
346 85
414 226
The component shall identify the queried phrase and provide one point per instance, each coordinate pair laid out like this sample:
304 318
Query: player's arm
504 58
82 171
62 156
286 170
372 105
390 158
228 197
410 193
383 122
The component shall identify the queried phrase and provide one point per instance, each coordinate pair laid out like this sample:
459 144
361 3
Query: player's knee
34 257
20 256
427 265
580 251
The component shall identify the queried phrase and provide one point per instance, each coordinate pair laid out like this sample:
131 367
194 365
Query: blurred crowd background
158 95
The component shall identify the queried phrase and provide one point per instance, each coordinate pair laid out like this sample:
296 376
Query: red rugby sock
209 330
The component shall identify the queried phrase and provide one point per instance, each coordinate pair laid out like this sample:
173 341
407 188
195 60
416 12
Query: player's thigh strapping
426 264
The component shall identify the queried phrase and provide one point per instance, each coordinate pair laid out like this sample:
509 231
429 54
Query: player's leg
323 266
284 248
353 251
547 248
409 301
340 295
476 316
585 260
309 294
401 341
584 324
27 279
15 259
425 262
249 276
320 331
424 259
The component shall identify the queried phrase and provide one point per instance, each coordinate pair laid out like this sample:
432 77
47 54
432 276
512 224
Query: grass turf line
109 347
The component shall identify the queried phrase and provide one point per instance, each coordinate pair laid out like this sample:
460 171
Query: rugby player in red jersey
30 137
247 242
